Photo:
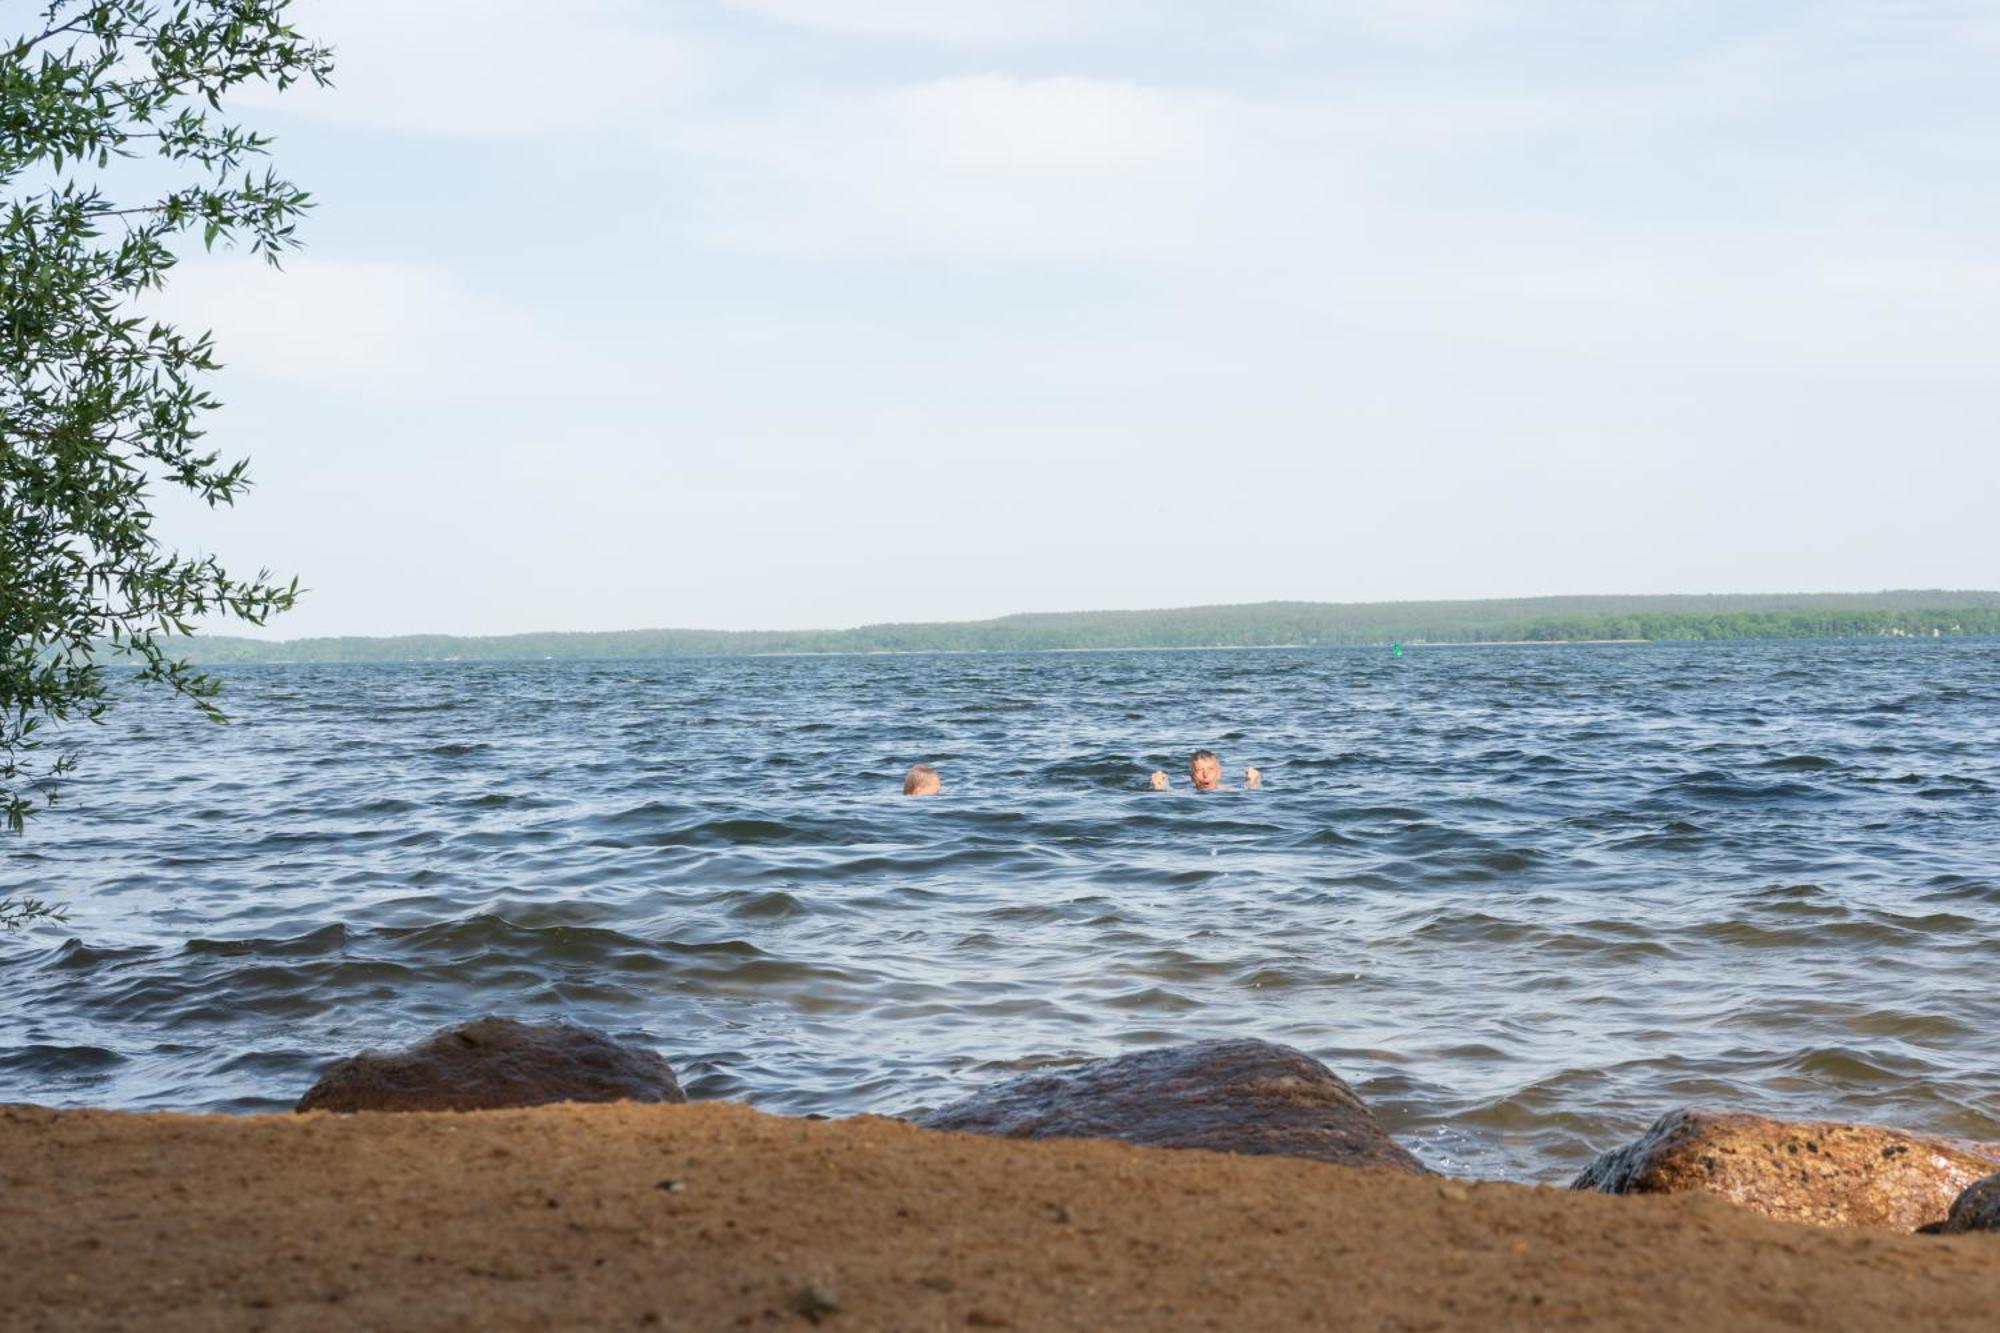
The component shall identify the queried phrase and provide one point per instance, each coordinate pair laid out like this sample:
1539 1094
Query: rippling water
1523 898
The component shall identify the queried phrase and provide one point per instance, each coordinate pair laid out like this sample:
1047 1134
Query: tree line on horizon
1546 620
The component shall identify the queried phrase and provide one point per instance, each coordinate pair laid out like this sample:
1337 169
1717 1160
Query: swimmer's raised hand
1252 779
1158 781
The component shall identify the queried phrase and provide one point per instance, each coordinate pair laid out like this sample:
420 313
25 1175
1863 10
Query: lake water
1524 899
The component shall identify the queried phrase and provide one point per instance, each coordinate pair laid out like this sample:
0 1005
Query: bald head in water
922 780
1205 772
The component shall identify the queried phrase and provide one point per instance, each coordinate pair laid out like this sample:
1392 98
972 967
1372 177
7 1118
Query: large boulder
1978 1209
491 1063
1824 1173
1226 1096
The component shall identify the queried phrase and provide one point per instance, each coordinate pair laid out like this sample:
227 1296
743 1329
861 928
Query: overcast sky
788 313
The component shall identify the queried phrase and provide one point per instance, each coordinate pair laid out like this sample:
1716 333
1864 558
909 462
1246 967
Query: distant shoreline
1199 648
1935 613
1411 647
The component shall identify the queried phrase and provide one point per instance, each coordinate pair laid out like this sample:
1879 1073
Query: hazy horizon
757 314
1975 596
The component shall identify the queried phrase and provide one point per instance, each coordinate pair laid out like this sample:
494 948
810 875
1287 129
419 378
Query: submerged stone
492 1063
1977 1209
1820 1172
1225 1096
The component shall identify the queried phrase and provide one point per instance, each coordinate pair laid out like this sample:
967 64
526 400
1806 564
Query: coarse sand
714 1216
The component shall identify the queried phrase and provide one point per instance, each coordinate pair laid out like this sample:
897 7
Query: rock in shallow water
1820 1172
492 1063
1978 1209
1226 1096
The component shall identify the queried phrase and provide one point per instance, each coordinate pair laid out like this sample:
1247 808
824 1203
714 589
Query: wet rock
1824 1173
1977 1209
491 1063
1226 1096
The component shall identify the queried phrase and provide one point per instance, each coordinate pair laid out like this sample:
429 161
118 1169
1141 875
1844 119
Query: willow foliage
99 403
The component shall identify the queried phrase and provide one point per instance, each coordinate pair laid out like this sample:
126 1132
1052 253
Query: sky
814 313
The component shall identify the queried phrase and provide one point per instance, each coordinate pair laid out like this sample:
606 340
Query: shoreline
1650 617
1383 646
713 1215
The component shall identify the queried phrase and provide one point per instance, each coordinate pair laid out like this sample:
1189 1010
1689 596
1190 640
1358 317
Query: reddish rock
1824 1173
491 1063
1978 1209
1226 1096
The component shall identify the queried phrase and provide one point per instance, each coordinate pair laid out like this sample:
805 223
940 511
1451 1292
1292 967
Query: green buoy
1395 650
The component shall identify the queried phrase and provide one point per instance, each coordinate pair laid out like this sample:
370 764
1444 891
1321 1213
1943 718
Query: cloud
952 22
981 23
977 165
1131 169
369 328
495 69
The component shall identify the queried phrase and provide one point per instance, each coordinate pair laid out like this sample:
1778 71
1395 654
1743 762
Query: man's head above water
1205 771
922 780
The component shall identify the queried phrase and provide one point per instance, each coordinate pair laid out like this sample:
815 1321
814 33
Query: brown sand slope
716 1217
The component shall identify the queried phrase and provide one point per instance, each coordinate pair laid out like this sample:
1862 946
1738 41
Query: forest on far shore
1263 624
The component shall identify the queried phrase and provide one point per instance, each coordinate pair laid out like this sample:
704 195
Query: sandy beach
714 1216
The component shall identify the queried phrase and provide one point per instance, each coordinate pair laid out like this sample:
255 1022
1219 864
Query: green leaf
98 403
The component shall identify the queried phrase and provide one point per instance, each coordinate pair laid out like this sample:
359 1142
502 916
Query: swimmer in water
922 780
1205 771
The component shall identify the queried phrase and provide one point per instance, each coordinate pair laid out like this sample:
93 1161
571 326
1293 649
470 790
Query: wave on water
1524 899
